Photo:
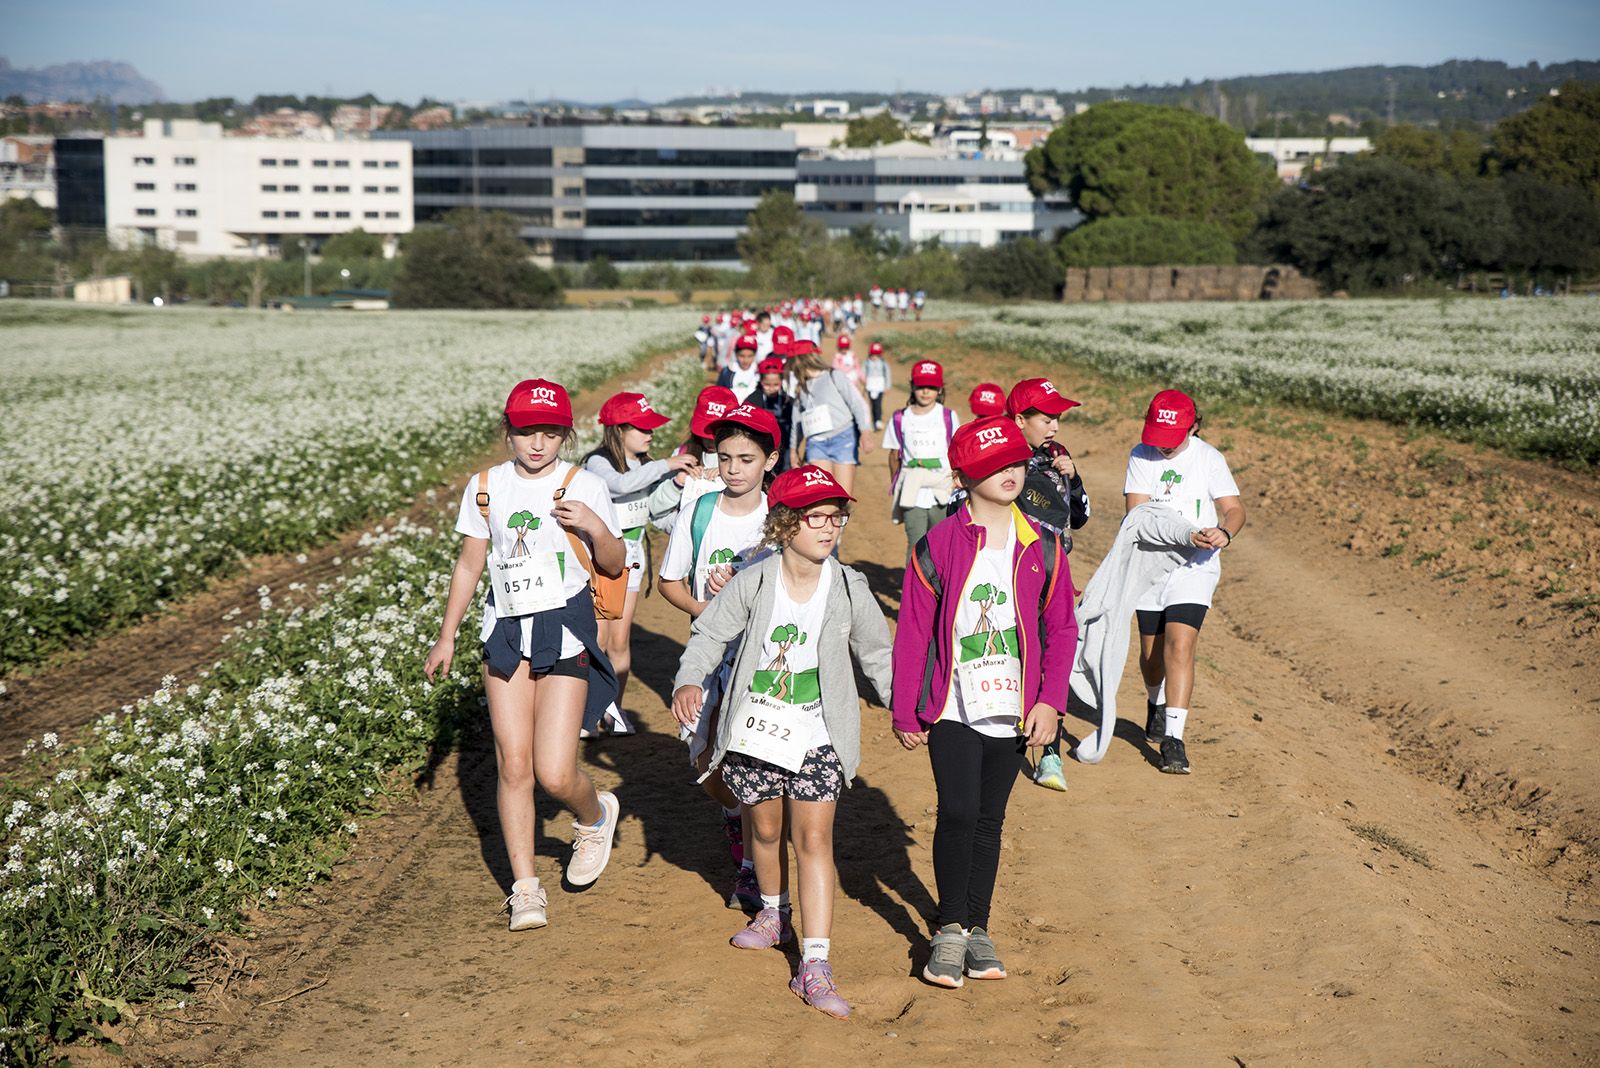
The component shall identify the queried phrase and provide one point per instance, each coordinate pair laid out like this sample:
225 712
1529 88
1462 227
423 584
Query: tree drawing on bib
722 556
1169 481
523 523
988 596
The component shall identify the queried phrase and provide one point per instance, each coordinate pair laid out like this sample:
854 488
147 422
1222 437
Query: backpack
609 593
924 560
699 522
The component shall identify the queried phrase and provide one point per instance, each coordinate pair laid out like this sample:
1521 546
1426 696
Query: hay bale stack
1077 281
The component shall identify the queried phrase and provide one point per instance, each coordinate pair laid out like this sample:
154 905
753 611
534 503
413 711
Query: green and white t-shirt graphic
778 678
986 684
525 523
986 639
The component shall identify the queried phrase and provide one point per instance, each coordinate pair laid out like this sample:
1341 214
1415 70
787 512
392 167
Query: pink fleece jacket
1048 639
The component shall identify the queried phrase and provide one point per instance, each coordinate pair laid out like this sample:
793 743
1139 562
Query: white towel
1152 541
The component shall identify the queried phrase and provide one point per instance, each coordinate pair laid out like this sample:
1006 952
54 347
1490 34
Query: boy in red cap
876 370
537 522
742 375
1173 467
789 739
918 443
982 660
622 461
771 395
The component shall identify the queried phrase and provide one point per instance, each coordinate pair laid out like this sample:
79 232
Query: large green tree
1558 139
1146 241
1458 154
880 129
1554 229
472 259
1121 159
781 243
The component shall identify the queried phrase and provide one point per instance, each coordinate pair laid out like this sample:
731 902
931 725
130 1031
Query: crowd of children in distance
756 500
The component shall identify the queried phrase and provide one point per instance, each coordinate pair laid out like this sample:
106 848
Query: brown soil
1384 854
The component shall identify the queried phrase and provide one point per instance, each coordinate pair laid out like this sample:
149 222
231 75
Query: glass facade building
633 194
81 182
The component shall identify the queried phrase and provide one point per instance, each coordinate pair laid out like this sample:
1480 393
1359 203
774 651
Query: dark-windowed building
633 194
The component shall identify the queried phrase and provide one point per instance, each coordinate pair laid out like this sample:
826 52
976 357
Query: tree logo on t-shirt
988 596
1169 481
523 523
723 556
777 680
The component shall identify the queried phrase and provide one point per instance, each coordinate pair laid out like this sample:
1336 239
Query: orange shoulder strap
483 493
577 542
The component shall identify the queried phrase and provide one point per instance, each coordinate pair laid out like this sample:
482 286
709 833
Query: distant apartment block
633 194
27 169
919 194
184 186
1294 155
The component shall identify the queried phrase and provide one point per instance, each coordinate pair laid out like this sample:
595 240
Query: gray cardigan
852 623
831 389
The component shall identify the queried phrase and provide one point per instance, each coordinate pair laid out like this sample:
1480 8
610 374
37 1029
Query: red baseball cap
987 399
537 402
772 365
713 403
631 409
875 349
1037 393
982 447
927 373
746 341
844 341
802 486
782 338
750 417
1168 419
804 347
705 318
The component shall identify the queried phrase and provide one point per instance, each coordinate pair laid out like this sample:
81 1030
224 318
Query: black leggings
877 409
974 774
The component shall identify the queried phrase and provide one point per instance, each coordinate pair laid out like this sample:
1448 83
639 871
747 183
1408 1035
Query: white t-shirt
728 539
745 379
986 626
789 642
763 348
509 495
1189 483
927 438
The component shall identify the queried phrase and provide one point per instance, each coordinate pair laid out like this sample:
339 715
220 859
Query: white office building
920 194
1293 155
185 186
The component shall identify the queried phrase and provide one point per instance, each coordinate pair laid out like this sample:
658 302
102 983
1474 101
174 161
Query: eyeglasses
818 520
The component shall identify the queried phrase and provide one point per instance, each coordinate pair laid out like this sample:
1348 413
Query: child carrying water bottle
789 740
537 522
982 657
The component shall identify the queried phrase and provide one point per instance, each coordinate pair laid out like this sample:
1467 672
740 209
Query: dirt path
1313 893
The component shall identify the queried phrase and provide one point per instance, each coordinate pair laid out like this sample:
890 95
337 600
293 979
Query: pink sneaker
814 984
769 927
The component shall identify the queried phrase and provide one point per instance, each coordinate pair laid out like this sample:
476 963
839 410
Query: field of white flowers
130 847
145 450
1522 374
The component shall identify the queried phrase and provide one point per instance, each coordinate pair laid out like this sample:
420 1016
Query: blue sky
475 50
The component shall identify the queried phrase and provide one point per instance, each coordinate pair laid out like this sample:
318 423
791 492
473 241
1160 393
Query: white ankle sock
1175 718
1158 692
814 948
772 901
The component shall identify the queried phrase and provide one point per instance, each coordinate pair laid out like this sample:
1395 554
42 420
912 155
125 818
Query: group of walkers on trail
991 634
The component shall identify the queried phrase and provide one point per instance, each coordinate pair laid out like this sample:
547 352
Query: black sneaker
1174 760
1155 722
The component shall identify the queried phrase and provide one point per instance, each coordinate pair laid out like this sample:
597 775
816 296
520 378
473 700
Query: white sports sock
772 901
814 949
1175 718
1158 692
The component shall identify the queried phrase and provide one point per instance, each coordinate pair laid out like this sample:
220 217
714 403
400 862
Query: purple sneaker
813 983
769 928
746 892
733 827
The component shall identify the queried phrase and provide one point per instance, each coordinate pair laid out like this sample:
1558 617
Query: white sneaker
591 846
527 904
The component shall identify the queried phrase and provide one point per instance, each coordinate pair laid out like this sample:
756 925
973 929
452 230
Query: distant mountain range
117 82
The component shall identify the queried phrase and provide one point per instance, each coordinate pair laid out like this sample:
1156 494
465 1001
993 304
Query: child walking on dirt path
538 522
982 660
876 370
714 540
771 396
831 419
622 461
918 443
1173 467
790 740
1053 496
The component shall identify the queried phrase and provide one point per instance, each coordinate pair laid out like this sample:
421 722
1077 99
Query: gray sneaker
982 962
948 952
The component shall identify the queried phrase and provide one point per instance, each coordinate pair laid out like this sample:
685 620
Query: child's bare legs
811 826
1170 656
536 725
765 846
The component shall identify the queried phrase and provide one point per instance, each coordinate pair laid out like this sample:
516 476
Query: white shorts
1188 584
633 553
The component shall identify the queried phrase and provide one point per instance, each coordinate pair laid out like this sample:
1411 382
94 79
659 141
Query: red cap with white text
981 448
631 409
1039 394
713 403
748 416
537 402
927 373
986 400
1168 419
800 487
